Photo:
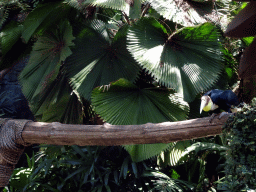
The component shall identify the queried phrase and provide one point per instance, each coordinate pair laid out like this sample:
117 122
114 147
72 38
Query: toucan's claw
222 114
212 117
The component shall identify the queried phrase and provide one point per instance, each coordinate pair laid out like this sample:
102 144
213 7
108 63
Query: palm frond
45 59
57 102
203 146
173 154
114 4
125 104
145 151
188 60
9 36
99 60
190 13
164 183
44 16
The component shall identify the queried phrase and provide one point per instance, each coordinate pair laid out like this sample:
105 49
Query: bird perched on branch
217 100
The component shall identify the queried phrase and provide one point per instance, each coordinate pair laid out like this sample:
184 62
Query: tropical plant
129 62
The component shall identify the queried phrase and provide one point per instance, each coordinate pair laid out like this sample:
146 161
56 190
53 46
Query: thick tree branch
66 134
16 134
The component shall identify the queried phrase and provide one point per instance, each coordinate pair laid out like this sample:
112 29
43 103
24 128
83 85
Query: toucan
216 100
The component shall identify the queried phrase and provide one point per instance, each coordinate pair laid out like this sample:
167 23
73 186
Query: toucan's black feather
224 99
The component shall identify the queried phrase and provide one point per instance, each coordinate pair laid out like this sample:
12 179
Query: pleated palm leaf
43 17
188 60
191 12
98 59
46 59
58 102
113 4
10 42
173 154
126 104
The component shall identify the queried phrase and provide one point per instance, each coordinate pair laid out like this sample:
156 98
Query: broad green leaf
57 103
145 151
44 16
98 59
247 40
123 103
9 36
173 154
203 146
45 60
188 60
177 11
11 43
114 4
131 8
189 13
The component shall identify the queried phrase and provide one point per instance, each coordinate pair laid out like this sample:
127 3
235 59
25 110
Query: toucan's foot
222 114
212 117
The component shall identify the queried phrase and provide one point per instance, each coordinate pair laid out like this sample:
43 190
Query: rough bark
66 134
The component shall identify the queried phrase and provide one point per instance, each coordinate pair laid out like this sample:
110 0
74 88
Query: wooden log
67 134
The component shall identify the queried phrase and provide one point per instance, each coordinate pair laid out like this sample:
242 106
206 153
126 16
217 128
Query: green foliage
99 58
21 177
63 168
127 104
10 35
46 58
188 60
174 154
60 84
164 183
42 17
179 14
240 166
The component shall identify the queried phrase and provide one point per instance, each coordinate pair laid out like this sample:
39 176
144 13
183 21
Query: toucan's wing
215 95
231 98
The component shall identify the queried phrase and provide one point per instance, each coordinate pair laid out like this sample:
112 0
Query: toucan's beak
203 104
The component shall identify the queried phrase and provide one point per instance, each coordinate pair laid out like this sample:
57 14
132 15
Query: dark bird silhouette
217 100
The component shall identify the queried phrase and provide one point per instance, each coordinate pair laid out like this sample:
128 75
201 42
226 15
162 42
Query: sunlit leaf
188 60
186 12
173 154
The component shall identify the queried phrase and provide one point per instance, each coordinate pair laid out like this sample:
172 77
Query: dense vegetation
122 62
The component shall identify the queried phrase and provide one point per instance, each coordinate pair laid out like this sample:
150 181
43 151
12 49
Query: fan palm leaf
98 60
188 60
164 183
57 102
9 36
45 59
189 13
126 104
173 154
113 4
10 42
44 16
